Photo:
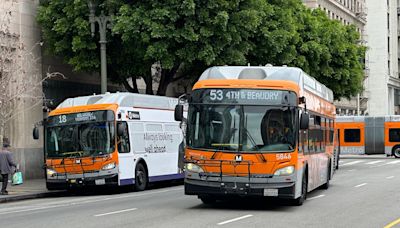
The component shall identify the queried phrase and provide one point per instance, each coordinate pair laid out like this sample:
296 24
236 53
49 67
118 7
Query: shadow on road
262 204
109 190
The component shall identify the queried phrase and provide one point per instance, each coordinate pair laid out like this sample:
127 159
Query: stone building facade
383 83
18 17
348 12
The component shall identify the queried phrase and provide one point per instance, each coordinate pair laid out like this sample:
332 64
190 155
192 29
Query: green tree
66 31
189 35
294 35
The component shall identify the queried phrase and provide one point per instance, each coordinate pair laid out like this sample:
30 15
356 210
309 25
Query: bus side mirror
36 133
178 112
120 129
304 121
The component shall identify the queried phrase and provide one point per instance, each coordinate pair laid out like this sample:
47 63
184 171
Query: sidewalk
31 189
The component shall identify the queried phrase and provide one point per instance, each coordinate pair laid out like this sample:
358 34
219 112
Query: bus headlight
193 168
284 171
109 166
51 172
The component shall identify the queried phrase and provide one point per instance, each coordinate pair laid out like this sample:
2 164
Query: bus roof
122 100
348 119
294 74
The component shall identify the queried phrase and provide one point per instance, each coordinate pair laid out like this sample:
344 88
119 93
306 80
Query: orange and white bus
369 135
112 139
258 131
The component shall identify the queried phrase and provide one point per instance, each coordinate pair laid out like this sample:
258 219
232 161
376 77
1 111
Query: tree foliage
187 36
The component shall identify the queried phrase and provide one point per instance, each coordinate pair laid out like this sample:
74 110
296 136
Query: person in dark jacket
7 165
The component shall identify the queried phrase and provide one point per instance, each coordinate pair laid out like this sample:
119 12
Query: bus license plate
100 182
270 192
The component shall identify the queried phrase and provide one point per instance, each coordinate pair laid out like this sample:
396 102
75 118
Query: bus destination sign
81 117
244 96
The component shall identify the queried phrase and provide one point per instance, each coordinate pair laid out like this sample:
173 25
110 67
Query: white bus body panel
154 135
154 139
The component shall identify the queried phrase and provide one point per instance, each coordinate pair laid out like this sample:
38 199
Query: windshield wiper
251 139
255 144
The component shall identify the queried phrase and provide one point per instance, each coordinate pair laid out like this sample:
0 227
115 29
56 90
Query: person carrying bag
17 178
7 165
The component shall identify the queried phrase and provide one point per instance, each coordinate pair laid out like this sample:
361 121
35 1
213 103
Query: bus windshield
80 135
242 128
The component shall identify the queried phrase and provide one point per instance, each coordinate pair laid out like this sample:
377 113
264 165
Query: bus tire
141 178
396 151
299 201
328 177
207 199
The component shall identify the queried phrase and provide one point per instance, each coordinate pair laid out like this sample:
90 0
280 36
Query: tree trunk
166 78
128 87
149 84
124 82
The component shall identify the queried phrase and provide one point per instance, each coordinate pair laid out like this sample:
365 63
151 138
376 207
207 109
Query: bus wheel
396 151
140 177
299 201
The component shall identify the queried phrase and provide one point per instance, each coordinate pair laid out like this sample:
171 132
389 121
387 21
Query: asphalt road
363 193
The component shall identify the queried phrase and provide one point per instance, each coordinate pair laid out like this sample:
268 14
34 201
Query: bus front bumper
236 186
65 181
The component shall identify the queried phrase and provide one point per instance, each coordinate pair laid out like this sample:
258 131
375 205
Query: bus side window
123 141
303 145
394 135
352 135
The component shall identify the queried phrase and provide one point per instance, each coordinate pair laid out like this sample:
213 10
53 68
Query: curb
11 198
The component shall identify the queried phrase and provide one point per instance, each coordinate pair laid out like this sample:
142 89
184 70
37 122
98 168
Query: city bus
369 135
112 139
258 131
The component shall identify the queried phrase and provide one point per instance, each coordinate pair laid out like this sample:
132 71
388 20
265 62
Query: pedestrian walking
7 165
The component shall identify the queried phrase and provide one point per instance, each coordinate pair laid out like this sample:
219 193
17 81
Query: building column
28 152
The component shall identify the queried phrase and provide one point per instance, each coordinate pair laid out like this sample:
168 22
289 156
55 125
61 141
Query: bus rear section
243 134
351 133
112 139
392 136
369 135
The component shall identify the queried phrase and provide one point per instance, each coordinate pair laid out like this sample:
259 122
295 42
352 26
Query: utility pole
104 22
358 104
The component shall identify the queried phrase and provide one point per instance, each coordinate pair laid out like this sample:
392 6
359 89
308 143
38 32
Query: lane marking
375 166
73 202
393 162
234 220
360 185
374 162
32 209
352 163
390 177
315 197
351 170
115 212
392 223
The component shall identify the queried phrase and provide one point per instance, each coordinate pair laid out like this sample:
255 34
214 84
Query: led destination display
244 96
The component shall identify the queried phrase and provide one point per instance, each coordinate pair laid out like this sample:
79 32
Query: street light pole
103 22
